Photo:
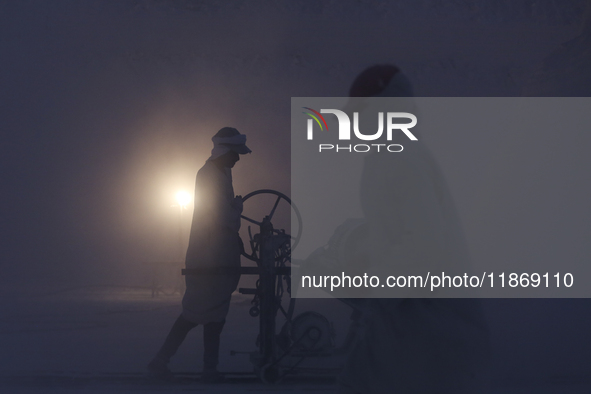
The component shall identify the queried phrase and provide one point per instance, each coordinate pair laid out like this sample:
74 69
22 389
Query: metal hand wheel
271 204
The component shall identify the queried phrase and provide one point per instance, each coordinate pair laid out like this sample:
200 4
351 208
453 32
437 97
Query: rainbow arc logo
315 116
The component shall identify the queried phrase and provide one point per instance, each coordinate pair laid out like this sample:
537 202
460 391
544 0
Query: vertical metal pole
267 288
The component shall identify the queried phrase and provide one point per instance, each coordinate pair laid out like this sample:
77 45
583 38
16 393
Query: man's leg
159 365
211 349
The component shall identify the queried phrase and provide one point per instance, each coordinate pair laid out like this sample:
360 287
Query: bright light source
183 198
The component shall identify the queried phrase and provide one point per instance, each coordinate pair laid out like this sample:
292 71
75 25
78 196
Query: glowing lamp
183 198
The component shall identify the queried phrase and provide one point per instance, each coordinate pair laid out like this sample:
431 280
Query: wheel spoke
274 208
250 220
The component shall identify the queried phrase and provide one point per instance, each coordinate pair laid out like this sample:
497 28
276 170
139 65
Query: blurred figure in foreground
213 242
414 344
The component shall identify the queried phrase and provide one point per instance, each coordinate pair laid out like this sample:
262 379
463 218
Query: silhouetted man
213 242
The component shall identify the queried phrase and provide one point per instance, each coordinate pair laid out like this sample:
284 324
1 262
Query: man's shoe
159 371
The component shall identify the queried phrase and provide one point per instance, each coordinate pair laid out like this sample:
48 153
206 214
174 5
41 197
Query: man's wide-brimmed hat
226 140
